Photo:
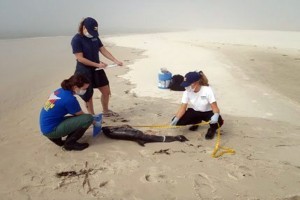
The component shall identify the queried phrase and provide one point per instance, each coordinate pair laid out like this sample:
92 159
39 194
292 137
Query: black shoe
194 128
57 141
76 146
71 141
210 134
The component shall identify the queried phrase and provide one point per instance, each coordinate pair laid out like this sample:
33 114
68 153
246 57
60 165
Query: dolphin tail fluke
181 138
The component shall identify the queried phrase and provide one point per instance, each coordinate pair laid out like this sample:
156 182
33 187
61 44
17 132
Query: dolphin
126 132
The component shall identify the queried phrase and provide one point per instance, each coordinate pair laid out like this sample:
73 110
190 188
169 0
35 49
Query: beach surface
254 75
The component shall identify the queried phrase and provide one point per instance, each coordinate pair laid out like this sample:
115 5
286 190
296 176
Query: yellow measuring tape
218 147
217 150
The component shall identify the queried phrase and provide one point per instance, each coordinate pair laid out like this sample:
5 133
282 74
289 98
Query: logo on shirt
50 103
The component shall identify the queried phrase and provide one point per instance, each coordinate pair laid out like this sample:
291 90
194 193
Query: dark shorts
97 79
100 79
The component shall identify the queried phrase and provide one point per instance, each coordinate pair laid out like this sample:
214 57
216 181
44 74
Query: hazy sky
24 18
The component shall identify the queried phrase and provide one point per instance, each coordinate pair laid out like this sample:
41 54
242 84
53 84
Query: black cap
91 25
190 78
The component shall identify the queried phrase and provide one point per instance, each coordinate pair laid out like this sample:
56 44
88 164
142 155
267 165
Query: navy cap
190 78
91 25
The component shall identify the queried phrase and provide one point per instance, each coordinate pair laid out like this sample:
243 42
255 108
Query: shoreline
223 71
271 67
146 32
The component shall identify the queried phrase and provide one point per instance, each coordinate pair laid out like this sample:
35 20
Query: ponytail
80 27
203 79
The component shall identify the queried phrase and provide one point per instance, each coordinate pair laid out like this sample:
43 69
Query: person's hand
102 65
97 124
119 63
214 119
174 121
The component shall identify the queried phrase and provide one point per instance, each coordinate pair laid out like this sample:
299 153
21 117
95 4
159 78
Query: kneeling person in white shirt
198 104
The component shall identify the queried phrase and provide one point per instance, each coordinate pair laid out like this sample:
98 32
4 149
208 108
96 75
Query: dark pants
194 117
71 124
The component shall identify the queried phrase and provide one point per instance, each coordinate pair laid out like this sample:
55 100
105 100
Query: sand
258 98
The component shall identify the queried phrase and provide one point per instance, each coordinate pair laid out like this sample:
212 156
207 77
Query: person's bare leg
105 93
90 107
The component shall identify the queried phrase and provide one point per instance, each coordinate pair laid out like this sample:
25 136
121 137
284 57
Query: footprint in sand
155 178
203 186
32 181
239 172
148 154
121 166
155 175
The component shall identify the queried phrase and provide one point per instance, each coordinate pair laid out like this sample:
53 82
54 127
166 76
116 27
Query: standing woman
86 46
54 123
198 104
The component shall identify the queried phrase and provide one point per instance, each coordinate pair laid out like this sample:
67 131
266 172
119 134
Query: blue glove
97 120
214 119
174 121
97 124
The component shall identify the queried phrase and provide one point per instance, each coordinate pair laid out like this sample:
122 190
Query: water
42 18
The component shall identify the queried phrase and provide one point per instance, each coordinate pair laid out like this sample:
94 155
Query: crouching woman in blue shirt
54 123
198 104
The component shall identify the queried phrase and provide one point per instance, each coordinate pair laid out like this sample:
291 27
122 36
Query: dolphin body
126 132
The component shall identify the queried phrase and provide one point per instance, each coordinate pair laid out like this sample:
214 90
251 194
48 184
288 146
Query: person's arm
181 110
79 113
215 107
72 106
213 103
81 59
109 56
214 119
179 114
94 122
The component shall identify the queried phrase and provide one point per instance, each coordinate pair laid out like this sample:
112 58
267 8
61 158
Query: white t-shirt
201 100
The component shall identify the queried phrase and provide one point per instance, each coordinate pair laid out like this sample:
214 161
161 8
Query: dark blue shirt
60 103
88 46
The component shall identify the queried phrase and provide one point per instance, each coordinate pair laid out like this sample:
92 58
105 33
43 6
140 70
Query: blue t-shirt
60 103
88 46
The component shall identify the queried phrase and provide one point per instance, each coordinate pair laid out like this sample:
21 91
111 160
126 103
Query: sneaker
210 134
110 113
57 141
76 146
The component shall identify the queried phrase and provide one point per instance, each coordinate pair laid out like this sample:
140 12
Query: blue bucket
97 129
164 79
